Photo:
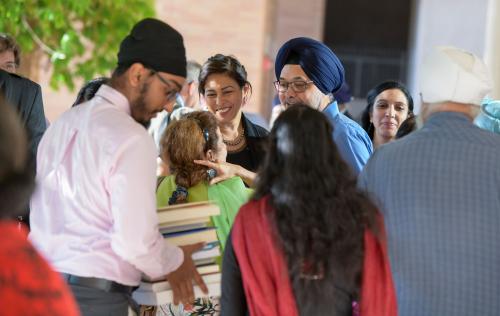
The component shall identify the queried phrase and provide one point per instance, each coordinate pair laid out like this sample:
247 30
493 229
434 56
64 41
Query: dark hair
185 140
222 64
89 89
408 126
372 95
7 43
17 179
319 214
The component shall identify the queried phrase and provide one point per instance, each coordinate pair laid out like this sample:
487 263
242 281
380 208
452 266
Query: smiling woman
225 89
389 104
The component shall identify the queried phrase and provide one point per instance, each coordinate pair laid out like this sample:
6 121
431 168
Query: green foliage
81 37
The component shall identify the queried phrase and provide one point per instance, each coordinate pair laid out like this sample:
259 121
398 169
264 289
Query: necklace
237 140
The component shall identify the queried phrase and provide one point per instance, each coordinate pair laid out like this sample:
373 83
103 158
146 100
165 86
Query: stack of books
181 225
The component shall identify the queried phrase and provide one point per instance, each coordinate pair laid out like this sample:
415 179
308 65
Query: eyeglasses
297 86
171 94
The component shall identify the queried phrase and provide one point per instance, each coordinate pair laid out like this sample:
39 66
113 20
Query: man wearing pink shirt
93 215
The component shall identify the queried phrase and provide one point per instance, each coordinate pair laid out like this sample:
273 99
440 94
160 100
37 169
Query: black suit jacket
26 96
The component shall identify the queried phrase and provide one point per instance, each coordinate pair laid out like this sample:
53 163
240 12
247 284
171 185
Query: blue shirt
439 191
352 141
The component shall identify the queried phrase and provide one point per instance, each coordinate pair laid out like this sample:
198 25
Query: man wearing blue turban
308 72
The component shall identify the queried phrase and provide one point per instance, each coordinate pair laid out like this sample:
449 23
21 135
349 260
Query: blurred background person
10 59
226 90
28 284
25 96
189 92
389 104
309 242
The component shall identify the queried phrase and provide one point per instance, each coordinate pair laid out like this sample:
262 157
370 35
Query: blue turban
318 61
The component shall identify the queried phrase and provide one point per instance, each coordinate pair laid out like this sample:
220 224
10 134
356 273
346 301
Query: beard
138 107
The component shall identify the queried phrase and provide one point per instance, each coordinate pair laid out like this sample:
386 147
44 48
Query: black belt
97 283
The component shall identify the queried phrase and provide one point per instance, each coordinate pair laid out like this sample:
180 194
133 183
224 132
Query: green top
229 195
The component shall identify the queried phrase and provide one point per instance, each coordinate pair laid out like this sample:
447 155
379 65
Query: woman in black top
225 89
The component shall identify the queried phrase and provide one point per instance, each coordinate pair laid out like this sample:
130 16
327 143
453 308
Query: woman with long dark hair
389 105
309 242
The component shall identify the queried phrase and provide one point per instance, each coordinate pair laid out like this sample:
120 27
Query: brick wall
233 27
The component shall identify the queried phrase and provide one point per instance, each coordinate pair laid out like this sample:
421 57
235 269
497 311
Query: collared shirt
94 211
439 191
352 141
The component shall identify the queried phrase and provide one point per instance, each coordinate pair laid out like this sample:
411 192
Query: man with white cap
439 192
94 213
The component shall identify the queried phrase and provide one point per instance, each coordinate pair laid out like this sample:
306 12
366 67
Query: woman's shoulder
234 186
233 181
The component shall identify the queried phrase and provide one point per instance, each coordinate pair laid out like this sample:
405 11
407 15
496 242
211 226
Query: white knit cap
452 74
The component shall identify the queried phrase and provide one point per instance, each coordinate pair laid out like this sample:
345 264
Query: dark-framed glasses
172 93
297 85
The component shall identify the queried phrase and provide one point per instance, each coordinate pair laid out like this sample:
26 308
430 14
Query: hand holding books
188 226
181 280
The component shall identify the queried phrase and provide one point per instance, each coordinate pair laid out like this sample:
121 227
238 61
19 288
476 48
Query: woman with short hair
225 89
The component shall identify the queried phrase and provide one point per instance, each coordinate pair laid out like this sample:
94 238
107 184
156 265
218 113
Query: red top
28 285
265 276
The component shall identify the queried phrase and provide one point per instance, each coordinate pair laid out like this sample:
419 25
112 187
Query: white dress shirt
94 211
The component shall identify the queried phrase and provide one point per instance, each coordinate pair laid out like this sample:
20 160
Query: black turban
156 45
318 61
